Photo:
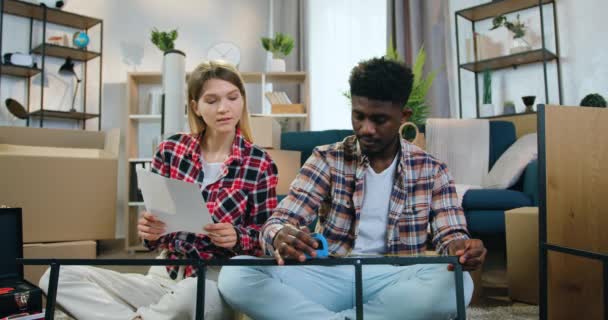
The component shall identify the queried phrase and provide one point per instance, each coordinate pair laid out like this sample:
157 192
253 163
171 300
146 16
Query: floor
494 302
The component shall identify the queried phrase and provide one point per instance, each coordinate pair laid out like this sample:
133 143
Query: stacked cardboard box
65 182
267 134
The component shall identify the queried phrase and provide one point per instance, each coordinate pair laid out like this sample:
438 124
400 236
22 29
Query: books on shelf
278 97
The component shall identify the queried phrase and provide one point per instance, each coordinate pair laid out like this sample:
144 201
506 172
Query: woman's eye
210 101
233 98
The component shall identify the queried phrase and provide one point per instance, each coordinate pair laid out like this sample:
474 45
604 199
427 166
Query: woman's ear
194 107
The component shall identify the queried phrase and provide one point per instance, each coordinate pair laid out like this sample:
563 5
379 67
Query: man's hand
222 234
290 242
149 227
471 253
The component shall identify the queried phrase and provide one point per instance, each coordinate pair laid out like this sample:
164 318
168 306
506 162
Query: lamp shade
67 68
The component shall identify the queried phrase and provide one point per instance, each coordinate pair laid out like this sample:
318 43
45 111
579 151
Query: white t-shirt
374 211
211 172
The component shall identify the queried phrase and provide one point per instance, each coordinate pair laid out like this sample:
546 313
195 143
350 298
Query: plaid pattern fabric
244 196
330 186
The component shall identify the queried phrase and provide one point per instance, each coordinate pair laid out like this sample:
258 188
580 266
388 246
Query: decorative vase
529 102
498 110
277 65
520 45
486 110
509 109
174 91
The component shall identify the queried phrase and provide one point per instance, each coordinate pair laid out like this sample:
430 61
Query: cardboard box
57 250
266 132
522 254
65 181
288 164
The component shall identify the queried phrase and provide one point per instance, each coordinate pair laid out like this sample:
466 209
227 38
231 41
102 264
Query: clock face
226 51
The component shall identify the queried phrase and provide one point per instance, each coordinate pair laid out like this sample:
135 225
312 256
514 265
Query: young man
373 193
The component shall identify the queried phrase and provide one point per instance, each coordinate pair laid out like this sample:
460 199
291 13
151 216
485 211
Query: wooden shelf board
286 76
55 16
63 114
512 60
18 71
495 8
53 50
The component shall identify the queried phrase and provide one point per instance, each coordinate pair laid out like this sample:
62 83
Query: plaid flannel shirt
244 196
330 186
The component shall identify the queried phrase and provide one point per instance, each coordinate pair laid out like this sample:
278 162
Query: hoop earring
408 124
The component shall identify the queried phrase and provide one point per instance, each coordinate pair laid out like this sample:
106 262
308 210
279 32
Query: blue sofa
484 209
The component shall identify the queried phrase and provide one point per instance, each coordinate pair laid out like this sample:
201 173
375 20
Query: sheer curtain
339 34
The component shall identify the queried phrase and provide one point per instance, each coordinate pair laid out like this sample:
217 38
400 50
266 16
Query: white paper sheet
177 203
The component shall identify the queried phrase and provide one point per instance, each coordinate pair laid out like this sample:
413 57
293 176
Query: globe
81 39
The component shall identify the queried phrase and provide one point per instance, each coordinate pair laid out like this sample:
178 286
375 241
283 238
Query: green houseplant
518 28
164 40
280 46
487 108
593 100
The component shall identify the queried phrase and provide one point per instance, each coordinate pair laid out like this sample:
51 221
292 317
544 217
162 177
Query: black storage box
25 297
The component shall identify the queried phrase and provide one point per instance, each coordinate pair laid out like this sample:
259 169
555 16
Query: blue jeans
317 292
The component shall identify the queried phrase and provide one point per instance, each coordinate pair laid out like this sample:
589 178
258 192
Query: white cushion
512 163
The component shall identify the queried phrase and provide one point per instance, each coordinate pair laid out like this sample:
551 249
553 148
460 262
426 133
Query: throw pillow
512 163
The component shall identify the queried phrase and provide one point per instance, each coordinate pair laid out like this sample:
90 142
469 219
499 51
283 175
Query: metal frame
202 264
44 21
544 61
544 246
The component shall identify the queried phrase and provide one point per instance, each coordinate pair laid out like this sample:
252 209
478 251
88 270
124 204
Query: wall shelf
63 114
18 71
541 55
55 16
57 51
509 61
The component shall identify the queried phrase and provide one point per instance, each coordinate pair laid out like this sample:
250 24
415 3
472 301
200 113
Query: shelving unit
500 7
62 18
137 117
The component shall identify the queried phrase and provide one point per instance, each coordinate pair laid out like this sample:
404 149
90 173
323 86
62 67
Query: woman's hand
222 234
149 227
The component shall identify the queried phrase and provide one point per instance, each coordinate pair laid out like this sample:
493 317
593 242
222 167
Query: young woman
237 182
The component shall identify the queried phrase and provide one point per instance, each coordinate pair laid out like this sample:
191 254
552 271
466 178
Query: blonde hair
215 70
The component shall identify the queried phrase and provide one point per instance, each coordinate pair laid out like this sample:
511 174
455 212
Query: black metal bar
476 74
100 75
542 213
460 306
542 35
576 252
359 290
29 80
605 288
51 294
402 261
84 89
458 66
200 291
42 72
557 53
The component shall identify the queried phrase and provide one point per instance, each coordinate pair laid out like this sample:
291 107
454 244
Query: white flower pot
486 110
277 65
174 89
498 110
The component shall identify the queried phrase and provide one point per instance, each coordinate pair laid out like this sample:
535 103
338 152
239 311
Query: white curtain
339 34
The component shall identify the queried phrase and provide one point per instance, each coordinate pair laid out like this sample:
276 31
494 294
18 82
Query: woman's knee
66 273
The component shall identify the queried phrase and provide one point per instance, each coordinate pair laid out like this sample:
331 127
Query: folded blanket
463 145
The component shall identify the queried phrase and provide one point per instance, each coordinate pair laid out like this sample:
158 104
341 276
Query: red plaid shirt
244 196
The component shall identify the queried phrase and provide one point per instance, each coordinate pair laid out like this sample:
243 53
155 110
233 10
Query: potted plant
174 86
518 29
280 46
487 108
593 100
